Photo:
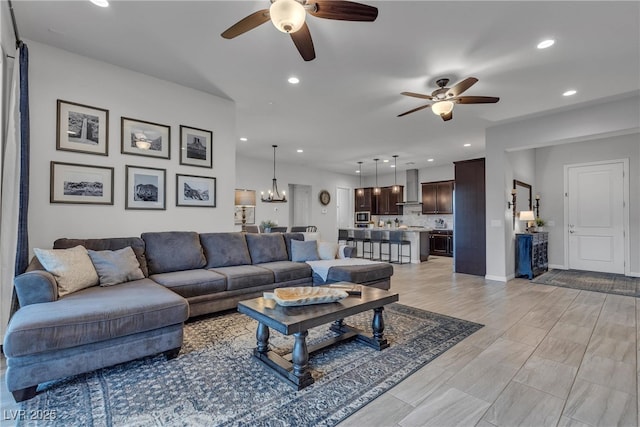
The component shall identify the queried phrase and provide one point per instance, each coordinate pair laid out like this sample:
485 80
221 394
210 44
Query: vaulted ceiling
344 108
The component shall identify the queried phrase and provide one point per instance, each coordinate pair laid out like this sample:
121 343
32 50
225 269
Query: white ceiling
345 107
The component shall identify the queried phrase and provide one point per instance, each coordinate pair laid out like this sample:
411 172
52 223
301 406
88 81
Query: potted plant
267 225
540 224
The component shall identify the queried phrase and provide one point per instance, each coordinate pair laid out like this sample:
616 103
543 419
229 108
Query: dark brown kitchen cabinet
470 218
364 198
386 202
437 197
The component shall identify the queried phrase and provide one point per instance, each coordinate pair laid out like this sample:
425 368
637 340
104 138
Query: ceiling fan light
442 107
287 15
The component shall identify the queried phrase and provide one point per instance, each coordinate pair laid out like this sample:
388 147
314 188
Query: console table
531 254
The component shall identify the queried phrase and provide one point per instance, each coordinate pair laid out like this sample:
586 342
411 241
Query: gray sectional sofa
186 274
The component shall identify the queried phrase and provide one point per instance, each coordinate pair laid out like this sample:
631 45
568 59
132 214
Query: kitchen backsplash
413 217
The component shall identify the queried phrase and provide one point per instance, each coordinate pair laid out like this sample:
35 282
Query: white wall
620 116
57 74
256 175
550 163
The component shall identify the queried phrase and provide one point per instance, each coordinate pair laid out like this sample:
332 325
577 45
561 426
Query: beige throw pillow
71 267
327 250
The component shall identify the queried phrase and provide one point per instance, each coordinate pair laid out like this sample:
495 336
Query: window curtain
14 239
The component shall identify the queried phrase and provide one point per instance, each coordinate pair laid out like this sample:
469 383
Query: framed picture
250 213
195 191
145 188
145 138
73 183
195 147
82 128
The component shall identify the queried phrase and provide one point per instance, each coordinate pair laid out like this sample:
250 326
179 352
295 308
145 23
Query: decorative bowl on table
305 295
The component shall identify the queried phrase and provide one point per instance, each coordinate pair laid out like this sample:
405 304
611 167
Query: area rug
216 382
591 281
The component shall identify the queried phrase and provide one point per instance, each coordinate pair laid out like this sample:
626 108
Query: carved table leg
378 328
300 359
262 338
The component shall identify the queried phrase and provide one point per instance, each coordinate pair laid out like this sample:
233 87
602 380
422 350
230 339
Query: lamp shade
287 15
245 198
441 108
527 216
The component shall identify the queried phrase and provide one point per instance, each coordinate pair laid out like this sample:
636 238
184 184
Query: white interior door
344 207
595 197
301 204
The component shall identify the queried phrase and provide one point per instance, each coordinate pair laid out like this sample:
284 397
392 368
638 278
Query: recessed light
300 151
546 43
467 145
392 166
243 139
101 3
385 161
570 92
357 171
429 160
293 80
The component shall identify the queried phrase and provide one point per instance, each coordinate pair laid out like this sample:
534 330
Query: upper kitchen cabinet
363 199
437 197
387 200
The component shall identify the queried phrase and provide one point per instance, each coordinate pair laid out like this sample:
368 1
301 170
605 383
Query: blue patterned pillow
304 250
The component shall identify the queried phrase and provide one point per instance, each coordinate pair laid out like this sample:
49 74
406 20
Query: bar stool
360 236
397 238
343 236
377 237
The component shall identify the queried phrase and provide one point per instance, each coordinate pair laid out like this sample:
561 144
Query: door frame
625 210
350 208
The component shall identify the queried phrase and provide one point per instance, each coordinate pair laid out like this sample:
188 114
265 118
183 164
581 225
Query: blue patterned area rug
215 381
608 283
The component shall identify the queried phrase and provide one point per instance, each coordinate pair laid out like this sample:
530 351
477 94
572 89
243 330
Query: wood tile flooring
546 357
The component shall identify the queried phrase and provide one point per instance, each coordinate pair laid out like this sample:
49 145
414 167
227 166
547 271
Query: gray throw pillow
116 267
304 250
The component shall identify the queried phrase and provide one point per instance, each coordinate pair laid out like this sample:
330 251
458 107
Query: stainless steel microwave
363 217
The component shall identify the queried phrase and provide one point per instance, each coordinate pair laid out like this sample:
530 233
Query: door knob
571 231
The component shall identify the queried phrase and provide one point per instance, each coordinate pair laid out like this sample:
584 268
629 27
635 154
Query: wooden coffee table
297 321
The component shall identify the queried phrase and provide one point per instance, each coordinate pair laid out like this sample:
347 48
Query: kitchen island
418 236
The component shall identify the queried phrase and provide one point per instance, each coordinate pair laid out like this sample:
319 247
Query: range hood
412 190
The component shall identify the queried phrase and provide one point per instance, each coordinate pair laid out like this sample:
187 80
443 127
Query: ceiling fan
289 16
445 98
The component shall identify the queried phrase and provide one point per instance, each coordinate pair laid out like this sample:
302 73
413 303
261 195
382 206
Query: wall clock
324 197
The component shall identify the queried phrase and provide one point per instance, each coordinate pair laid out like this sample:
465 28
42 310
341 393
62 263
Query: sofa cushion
109 244
302 251
283 271
115 267
327 250
92 315
245 276
360 273
173 251
288 238
190 283
266 247
71 267
225 249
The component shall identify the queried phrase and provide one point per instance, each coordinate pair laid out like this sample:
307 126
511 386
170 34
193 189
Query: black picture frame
82 128
80 184
142 138
196 147
195 191
145 188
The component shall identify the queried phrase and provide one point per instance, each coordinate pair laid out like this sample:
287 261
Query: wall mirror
523 197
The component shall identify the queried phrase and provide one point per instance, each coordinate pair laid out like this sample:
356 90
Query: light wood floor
546 356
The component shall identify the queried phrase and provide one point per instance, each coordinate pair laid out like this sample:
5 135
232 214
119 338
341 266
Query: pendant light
360 190
376 189
395 189
273 194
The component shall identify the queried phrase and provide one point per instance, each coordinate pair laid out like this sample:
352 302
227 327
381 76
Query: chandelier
273 195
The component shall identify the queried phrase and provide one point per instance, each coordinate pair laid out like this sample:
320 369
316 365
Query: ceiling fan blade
414 110
246 24
343 10
447 117
416 95
302 40
476 100
462 86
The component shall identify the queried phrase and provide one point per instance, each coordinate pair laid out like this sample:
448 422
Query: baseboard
557 267
498 278
631 274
